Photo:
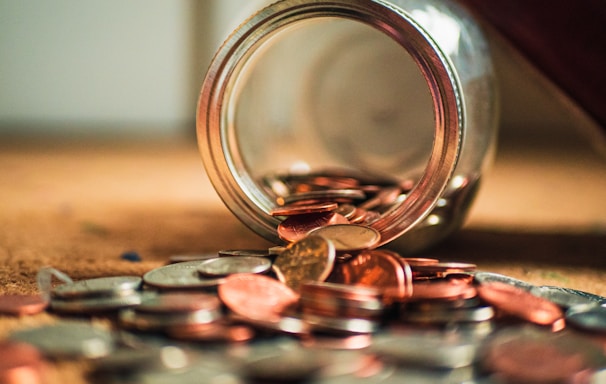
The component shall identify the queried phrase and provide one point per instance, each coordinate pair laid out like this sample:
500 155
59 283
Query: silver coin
427 349
349 237
132 319
589 317
224 266
284 324
179 276
101 286
68 339
566 297
483 277
340 325
95 304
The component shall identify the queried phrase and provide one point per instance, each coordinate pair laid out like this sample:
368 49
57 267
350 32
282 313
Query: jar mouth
219 148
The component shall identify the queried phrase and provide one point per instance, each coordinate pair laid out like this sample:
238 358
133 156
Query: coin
483 277
291 210
257 297
449 316
68 339
440 270
520 303
213 332
309 259
223 266
566 297
375 268
179 276
89 305
173 302
443 290
101 286
340 325
295 228
160 321
192 257
20 305
349 237
246 252
20 363
325 195
588 317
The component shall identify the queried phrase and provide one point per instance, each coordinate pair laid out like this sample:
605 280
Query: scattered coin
309 259
349 237
483 277
192 257
180 276
301 209
21 305
224 266
94 305
21 363
246 252
68 339
588 317
102 286
269 300
295 228
566 297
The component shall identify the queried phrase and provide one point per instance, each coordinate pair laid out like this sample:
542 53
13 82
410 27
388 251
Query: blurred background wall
134 68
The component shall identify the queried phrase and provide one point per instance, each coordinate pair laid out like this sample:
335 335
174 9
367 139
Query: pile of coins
328 308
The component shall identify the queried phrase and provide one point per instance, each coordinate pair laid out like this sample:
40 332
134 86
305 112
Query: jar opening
326 93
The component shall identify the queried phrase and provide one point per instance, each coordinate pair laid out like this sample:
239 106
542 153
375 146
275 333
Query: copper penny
216 331
349 237
520 303
439 270
257 297
179 302
292 210
294 228
20 363
374 269
344 195
309 259
420 261
443 290
20 305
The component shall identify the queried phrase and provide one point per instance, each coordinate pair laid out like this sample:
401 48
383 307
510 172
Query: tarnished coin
179 276
349 237
68 339
483 277
566 297
20 305
21 363
101 286
223 266
518 302
295 228
309 259
91 305
257 297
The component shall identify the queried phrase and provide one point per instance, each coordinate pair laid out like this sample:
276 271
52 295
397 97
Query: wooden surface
78 206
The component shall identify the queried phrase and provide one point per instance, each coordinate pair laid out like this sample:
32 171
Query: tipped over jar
382 108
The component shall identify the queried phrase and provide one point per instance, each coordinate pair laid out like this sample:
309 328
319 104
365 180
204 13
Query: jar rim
224 169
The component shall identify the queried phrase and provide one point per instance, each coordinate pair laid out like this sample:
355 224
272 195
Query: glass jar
391 94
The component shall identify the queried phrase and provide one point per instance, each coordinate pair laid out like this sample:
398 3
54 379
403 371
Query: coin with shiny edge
245 252
101 286
349 237
342 325
68 339
309 259
192 257
223 266
159 321
483 277
179 275
257 297
461 315
291 210
20 305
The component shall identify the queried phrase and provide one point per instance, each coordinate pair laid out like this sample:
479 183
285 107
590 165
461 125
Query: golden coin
349 237
309 259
